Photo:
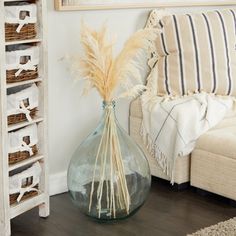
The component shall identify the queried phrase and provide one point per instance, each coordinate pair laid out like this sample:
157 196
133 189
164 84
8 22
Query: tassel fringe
167 165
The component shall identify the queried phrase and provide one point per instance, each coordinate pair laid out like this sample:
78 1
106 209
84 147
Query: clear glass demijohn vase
109 176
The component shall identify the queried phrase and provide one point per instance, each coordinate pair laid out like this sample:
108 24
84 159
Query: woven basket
14 119
24 75
28 31
16 157
13 197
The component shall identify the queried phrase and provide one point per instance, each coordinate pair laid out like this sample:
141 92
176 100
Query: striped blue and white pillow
197 52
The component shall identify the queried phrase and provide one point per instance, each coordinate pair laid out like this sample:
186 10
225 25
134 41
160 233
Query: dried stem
118 195
94 171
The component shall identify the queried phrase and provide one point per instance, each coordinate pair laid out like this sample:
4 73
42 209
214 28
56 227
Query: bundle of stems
113 178
106 73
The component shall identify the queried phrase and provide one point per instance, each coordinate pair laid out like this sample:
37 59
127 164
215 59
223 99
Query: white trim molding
58 183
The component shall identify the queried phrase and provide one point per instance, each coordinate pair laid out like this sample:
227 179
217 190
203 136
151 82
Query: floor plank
165 213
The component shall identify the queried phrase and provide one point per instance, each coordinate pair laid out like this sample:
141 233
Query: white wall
73 116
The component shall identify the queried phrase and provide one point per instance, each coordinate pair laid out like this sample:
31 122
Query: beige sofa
212 165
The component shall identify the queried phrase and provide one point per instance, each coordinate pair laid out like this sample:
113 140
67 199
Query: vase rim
109 103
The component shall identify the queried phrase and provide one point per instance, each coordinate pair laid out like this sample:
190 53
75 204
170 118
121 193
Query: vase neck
109 109
109 105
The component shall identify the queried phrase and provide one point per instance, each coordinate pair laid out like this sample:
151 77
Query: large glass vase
109 176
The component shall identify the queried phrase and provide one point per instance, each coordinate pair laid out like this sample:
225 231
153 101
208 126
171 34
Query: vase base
105 213
113 221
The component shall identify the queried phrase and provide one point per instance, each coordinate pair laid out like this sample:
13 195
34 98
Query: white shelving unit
7 211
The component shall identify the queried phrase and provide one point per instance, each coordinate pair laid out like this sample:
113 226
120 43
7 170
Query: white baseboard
58 183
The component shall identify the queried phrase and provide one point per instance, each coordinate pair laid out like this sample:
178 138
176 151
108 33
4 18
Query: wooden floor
166 213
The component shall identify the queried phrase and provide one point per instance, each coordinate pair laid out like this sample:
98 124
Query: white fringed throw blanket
171 127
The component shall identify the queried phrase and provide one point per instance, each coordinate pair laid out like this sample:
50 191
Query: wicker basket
16 157
25 184
22 144
25 75
14 119
28 106
20 21
13 197
22 63
27 32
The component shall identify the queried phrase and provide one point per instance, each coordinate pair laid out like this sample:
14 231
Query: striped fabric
197 53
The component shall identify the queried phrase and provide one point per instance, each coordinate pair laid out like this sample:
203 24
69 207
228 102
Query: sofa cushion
196 52
219 141
227 122
136 111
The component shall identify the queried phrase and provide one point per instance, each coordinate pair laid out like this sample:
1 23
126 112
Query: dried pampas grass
105 72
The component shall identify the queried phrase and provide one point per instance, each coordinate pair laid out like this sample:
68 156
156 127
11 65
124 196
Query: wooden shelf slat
26 162
23 41
24 124
14 0
26 205
12 85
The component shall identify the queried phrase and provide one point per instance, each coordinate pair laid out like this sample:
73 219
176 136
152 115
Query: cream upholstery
214 155
136 109
221 142
213 166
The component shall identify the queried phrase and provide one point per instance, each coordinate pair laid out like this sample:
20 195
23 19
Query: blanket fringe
168 167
